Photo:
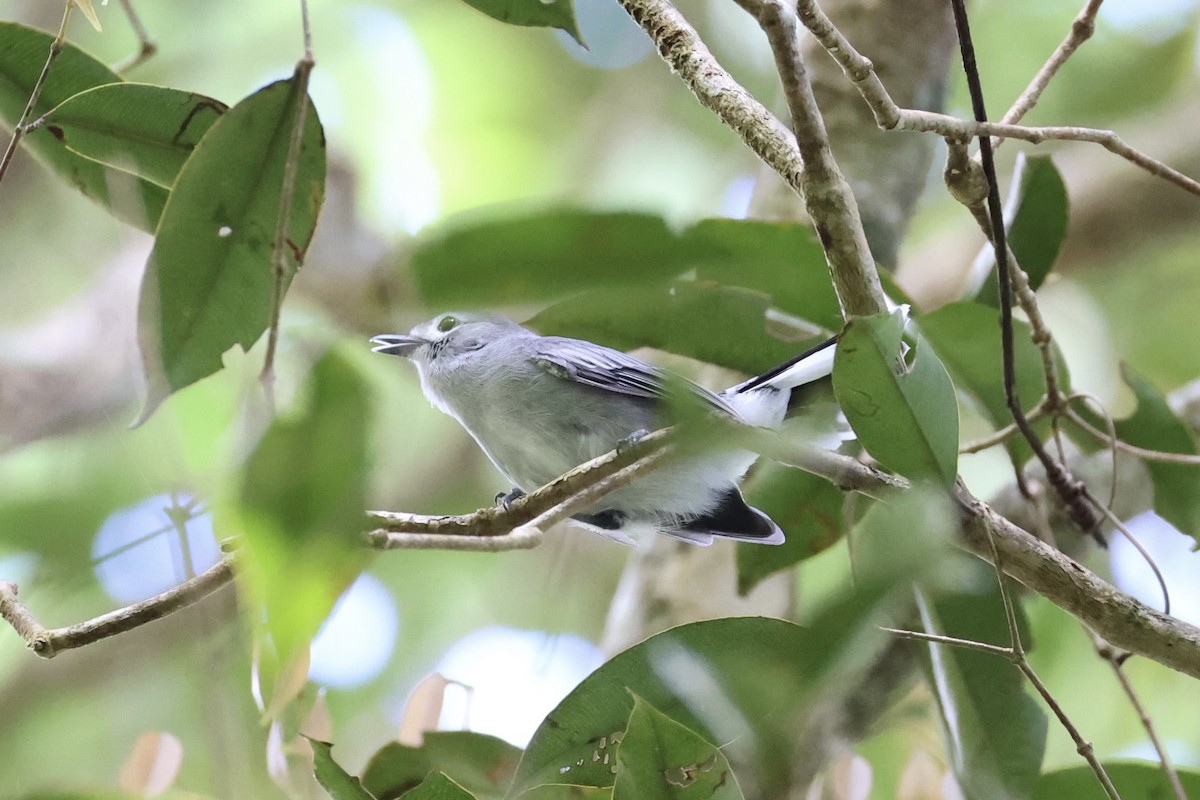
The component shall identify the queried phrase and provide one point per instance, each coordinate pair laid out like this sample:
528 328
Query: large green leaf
784 260
808 508
147 130
532 13
543 256
966 336
995 732
210 276
1154 426
1036 213
438 787
660 759
754 683
734 332
300 509
340 784
1134 780
482 764
23 52
904 412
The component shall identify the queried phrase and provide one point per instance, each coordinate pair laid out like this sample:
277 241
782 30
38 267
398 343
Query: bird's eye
446 323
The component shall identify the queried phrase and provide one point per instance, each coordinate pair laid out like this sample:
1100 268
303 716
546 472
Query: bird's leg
632 439
505 499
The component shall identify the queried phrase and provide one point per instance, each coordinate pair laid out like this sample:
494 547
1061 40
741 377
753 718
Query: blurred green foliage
601 192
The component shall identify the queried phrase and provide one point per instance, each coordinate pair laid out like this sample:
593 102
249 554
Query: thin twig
937 638
49 642
889 116
1004 434
1126 447
280 251
19 129
1082 29
146 46
1069 490
1128 534
1082 746
1116 660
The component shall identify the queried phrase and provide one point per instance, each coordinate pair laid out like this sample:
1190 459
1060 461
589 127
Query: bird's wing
614 371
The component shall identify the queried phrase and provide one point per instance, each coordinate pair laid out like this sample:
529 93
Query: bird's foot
632 439
506 499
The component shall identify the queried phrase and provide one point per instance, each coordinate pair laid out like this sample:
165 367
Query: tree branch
890 116
49 642
1116 617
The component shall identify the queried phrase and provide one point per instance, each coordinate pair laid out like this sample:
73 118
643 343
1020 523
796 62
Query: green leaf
543 256
438 787
301 505
23 52
339 784
1154 426
1134 780
210 276
809 509
784 260
394 769
1040 224
966 336
906 416
1036 214
147 130
735 333
532 13
482 764
750 682
995 732
659 759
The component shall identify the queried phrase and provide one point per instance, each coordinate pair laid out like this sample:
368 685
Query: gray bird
540 405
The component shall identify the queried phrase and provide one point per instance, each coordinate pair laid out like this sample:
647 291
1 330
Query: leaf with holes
660 759
906 416
210 276
147 130
129 198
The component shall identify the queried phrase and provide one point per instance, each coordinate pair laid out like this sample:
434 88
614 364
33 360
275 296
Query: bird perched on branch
539 406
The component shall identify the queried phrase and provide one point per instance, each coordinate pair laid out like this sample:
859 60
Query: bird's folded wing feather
614 371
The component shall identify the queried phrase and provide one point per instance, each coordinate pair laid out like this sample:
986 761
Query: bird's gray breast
534 425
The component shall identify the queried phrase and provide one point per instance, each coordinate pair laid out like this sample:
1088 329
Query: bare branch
146 46
1118 618
49 642
1117 660
889 116
1082 29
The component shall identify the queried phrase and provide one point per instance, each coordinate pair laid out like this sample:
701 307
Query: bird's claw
506 499
632 439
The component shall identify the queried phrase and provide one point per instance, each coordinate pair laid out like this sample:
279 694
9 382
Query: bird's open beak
396 344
